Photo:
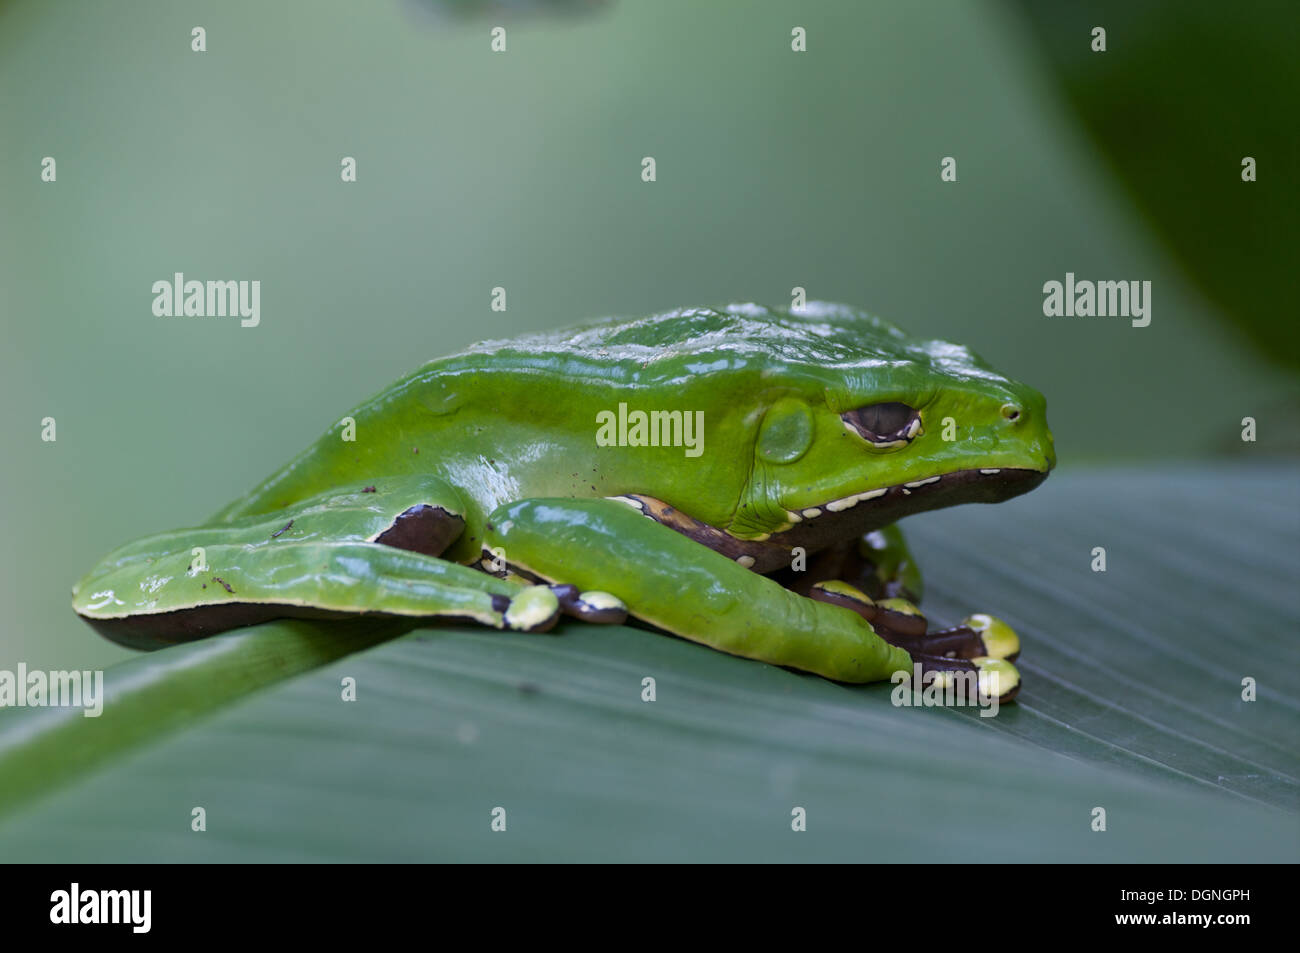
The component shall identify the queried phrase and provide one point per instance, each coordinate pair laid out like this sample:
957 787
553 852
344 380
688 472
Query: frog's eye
888 424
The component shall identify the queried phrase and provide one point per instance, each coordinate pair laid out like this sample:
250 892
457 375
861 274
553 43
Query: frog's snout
1025 417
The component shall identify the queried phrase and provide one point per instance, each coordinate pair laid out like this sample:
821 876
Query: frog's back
664 346
501 388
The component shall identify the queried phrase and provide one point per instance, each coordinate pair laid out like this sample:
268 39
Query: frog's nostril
1011 412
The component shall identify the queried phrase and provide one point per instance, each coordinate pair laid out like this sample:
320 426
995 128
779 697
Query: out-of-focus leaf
1132 704
1184 91
149 696
1141 666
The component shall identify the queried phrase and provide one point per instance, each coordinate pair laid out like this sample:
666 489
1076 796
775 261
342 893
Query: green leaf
1148 114
149 696
1132 703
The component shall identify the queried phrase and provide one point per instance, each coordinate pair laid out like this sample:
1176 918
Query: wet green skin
504 435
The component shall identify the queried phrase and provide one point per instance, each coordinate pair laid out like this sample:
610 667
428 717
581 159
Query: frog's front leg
877 577
352 551
687 589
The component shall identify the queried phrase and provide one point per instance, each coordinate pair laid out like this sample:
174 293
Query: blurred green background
522 169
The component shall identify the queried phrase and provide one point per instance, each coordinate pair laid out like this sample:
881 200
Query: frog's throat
816 527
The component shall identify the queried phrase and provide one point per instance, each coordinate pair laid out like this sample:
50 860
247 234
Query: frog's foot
981 643
993 677
590 606
534 609
902 624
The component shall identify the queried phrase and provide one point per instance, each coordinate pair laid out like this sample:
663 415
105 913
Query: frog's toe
901 623
898 616
590 606
995 677
839 593
901 617
999 640
602 607
535 609
978 636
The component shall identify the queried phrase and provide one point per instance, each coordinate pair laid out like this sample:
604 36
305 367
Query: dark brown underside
162 629
817 533
423 529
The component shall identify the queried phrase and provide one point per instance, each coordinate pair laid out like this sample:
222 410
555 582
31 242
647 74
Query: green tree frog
729 475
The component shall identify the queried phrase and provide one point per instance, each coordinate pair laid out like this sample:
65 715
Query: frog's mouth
816 527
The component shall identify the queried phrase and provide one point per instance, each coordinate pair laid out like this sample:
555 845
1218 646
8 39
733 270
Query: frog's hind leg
372 551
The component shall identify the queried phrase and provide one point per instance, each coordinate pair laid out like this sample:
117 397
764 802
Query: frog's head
836 424
876 425
865 425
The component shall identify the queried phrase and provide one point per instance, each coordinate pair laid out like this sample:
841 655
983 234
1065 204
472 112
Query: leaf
149 696
1147 114
1141 666
1132 703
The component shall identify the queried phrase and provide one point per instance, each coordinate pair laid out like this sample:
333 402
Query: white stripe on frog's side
632 502
836 506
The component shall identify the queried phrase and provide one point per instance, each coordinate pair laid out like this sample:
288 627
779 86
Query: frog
729 475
